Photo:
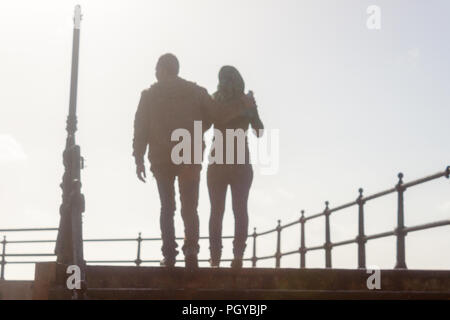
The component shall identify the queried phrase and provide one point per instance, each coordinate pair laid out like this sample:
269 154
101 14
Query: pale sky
353 107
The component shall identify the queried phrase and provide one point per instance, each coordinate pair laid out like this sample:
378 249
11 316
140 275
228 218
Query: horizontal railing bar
29 254
289 253
199 260
428 226
380 235
290 224
266 257
111 240
314 216
425 179
145 239
224 237
120 261
25 262
108 240
342 243
314 248
111 261
266 232
29 229
344 206
31 241
207 260
379 194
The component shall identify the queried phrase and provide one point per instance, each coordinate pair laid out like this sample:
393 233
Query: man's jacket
164 107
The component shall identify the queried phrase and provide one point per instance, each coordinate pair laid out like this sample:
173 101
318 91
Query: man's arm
207 108
224 112
140 140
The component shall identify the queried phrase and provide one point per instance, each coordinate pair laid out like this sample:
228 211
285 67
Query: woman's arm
255 121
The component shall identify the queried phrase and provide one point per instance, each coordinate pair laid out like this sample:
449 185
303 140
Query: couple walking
174 103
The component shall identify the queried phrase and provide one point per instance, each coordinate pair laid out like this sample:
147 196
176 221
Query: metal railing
138 261
400 232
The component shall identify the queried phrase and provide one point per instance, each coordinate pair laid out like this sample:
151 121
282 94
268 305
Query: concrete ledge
128 282
45 278
16 290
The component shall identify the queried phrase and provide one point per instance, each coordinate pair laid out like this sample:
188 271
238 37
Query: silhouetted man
169 104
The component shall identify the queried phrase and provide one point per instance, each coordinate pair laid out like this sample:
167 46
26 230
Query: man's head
167 67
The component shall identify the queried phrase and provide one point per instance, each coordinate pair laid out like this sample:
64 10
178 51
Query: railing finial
327 209
400 178
360 200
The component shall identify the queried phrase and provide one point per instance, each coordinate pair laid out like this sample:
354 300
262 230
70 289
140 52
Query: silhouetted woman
237 175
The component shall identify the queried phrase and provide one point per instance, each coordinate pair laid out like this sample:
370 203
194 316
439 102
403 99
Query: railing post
138 260
254 259
361 238
327 244
302 249
278 254
400 230
3 262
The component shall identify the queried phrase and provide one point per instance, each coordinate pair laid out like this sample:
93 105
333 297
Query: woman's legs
217 187
242 178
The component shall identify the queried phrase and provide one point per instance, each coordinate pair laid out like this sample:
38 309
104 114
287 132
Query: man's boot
237 263
238 257
167 262
190 251
191 261
238 250
215 257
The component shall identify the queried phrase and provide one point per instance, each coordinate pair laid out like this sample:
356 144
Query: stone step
251 294
259 278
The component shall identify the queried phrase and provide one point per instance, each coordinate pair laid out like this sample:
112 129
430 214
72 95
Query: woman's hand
249 100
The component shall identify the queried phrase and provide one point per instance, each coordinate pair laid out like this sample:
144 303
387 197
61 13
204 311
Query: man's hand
140 172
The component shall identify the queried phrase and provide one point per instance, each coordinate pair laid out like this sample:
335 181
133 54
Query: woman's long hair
231 84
